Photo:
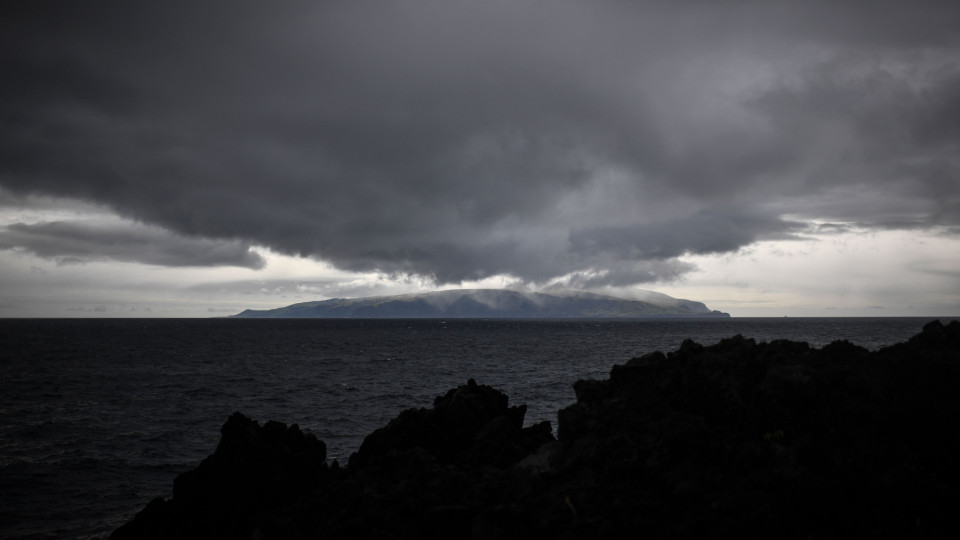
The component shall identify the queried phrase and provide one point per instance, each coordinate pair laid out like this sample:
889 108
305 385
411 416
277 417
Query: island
493 303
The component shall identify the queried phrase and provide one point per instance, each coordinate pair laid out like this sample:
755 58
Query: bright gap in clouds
832 270
851 273
846 273
36 287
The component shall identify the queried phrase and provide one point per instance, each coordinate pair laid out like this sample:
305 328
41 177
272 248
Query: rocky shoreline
738 438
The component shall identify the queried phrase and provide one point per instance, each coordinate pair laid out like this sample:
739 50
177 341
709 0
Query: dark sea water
97 417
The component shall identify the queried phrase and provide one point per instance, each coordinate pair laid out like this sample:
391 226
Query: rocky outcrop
772 439
428 473
737 438
251 483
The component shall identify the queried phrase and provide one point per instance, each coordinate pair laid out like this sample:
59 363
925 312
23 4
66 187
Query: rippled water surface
98 416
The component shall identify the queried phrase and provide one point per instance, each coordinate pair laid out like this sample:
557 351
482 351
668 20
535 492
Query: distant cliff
491 303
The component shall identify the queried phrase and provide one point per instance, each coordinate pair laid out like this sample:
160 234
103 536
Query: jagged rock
744 437
469 424
734 439
256 474
428 473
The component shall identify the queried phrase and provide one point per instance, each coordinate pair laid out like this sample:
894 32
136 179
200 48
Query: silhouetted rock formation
738 438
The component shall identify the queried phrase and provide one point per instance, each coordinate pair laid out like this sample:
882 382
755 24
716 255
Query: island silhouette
493 303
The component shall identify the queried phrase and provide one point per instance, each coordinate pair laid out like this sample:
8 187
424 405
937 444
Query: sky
194 159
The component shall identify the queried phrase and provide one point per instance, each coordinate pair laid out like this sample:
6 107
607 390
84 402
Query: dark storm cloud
461 140
78 242
705 233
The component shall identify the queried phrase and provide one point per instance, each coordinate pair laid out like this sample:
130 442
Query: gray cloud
461 140
704 233
294 290
79 242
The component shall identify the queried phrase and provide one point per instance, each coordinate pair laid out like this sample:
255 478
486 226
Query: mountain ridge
492 303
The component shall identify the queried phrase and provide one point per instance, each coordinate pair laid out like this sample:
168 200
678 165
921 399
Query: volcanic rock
734 439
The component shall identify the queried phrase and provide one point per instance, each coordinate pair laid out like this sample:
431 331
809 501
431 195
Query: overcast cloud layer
460 140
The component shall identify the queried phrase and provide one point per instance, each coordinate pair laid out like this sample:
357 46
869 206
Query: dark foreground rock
739 438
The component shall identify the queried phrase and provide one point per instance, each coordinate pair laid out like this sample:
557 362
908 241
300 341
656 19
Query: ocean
97 416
